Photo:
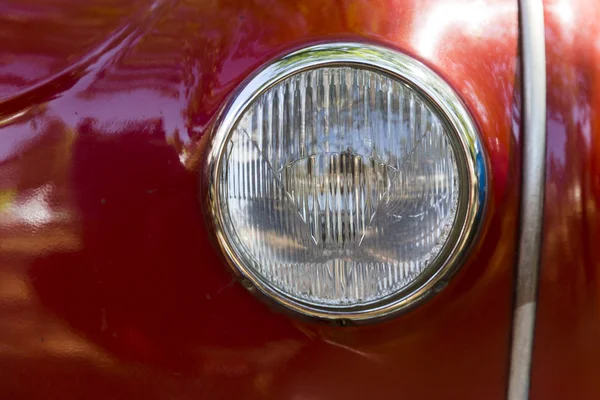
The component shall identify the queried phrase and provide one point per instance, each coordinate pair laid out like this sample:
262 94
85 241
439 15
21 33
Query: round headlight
347 181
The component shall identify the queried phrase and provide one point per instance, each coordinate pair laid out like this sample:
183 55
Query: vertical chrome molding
533 58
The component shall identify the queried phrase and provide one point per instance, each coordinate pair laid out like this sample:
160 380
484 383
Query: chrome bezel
468 150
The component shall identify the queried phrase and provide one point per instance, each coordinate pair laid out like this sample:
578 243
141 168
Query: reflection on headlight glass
339 186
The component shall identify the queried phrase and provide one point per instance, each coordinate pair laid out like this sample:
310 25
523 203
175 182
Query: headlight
347 181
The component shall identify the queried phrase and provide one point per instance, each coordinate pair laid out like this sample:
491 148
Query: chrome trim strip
469 151
533 58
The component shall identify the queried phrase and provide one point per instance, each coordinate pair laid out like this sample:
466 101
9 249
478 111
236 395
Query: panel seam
533 58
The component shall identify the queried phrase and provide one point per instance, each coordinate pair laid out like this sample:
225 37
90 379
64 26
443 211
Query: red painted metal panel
566 358
109 287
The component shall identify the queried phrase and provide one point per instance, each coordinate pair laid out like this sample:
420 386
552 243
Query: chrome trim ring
470 158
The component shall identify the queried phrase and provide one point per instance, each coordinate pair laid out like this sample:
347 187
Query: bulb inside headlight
337 188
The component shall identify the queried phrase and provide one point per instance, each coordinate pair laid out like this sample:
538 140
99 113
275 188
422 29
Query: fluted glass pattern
339 186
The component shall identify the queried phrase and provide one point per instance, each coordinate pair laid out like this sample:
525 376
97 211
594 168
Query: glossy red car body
566 358
109 284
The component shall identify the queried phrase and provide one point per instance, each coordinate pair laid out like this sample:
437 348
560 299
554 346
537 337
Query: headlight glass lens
346 181
339 186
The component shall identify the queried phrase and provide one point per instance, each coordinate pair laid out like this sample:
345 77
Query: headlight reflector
342 185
